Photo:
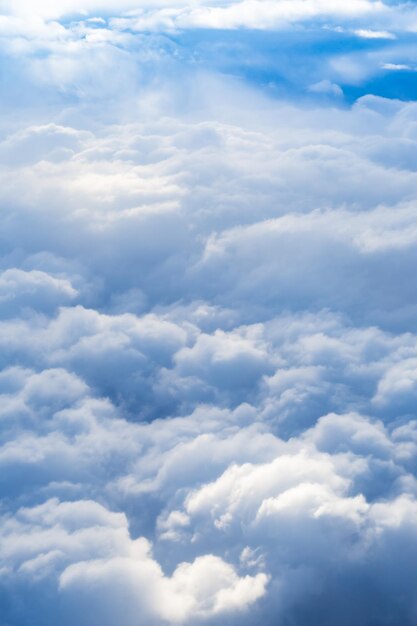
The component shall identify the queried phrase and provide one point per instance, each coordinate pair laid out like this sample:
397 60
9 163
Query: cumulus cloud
208 343
81 546
257 14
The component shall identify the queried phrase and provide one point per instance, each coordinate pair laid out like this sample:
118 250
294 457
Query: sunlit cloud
208 336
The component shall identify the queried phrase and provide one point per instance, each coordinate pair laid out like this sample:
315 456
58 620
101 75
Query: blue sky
208 337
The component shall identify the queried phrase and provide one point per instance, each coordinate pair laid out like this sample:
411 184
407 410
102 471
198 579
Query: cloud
67 537
53 10
374 34
207 322
327 88
206 587
397 67
251 13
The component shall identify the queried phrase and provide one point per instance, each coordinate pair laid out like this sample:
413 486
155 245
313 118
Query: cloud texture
208 337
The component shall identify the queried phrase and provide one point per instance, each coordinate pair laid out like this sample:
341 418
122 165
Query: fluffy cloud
82 546
259 14
208 343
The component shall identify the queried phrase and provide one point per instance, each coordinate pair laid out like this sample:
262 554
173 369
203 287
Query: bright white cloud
253 13
374 34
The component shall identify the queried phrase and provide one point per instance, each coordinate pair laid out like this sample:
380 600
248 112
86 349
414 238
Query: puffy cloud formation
92 555
208 337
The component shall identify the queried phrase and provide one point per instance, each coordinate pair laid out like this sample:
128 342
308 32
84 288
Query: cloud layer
208 342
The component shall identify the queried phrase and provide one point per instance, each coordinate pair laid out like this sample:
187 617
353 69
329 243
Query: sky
208 313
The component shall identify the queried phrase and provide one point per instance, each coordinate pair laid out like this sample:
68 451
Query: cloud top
208 339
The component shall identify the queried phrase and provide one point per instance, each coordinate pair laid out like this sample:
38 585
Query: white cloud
326 87
253 13
208 344
63 540
397 67
374 34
